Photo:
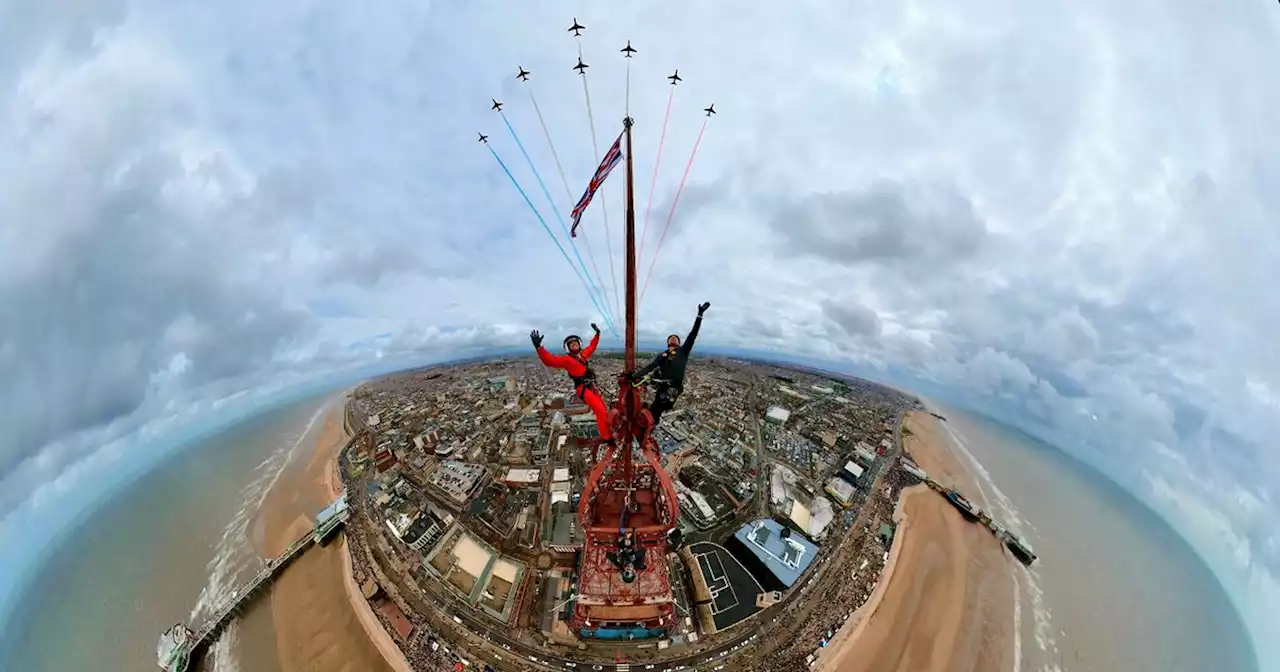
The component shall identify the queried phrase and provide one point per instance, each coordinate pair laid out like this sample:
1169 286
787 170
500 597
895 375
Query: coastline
377 634
945 600
317 618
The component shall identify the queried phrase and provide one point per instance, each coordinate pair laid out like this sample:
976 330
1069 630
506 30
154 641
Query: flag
611 159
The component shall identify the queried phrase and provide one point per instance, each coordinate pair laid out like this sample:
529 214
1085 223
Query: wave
994 500
234 555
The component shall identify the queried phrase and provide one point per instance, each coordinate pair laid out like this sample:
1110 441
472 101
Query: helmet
571 337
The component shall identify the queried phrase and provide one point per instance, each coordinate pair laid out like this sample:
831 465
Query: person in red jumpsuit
577 363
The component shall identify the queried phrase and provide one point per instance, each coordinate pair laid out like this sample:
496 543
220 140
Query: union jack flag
611 159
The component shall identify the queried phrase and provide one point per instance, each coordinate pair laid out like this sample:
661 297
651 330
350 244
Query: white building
777 414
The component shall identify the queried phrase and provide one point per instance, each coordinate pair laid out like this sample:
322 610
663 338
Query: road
489 642
762 491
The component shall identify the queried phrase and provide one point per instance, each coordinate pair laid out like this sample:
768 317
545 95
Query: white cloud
1065 208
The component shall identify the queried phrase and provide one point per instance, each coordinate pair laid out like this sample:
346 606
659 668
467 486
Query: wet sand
945 602
318 625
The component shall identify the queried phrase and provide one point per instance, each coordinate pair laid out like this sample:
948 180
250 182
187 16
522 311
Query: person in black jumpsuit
668 369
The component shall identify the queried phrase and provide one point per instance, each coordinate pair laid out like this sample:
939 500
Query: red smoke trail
672 213
654 182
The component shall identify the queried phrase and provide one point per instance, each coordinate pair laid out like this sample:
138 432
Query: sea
1115 588
169 549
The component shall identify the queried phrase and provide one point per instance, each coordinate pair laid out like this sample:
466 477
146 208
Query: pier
1020 549
180 645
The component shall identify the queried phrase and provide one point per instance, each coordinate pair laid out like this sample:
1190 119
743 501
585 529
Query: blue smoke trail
555 240
564 229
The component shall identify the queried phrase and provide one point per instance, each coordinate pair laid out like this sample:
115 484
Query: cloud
1019 203
884 222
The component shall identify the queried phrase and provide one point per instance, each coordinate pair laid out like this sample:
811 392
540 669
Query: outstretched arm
687 346
553 361
591 347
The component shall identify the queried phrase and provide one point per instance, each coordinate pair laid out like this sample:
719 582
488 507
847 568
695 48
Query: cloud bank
1061 211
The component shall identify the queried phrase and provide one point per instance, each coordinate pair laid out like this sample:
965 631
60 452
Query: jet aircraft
576 28
522 75
710 110
675 78
483 138
496 105
581 67
628 50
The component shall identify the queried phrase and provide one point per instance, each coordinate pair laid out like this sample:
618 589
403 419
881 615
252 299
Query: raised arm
591 347
687 346
553 361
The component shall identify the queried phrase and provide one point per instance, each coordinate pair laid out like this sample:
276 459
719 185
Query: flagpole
631 254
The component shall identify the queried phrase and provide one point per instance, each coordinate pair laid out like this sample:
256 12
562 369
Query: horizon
212 208
203 429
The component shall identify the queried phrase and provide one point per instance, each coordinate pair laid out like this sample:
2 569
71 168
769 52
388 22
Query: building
863 452
914 470
775 556
724 592
851 472
777 415
523 477
423 532
841 491
457 479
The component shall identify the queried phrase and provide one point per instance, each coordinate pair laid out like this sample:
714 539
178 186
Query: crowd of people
423 648
836 604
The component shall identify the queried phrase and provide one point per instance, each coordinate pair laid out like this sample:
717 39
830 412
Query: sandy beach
322 623
945 602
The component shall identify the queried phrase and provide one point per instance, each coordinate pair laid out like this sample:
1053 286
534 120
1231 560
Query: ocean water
1115 587
168 549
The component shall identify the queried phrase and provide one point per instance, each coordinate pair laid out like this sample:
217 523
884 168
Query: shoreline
374 629
943 600
852 630
317 625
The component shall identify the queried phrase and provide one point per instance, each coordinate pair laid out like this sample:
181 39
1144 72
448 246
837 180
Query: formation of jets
627 51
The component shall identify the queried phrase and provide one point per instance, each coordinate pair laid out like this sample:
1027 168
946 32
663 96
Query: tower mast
631 254
632 397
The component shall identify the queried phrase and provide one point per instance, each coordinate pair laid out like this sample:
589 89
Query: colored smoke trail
569 193
653 183
546 228
604 207
608 317
672 213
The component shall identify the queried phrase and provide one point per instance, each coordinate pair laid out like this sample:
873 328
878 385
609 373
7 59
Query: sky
1062 212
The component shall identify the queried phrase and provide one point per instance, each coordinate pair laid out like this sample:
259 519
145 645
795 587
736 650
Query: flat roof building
841 490
773 554
777 414
852 472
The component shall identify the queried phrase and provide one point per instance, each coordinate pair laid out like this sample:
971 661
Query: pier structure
1016 545
180 644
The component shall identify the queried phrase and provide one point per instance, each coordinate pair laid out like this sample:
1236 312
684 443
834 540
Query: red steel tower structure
628 508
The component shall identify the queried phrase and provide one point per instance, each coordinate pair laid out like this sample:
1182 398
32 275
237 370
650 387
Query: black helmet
572 337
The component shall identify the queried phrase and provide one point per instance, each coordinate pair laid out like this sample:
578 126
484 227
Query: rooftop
785 557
